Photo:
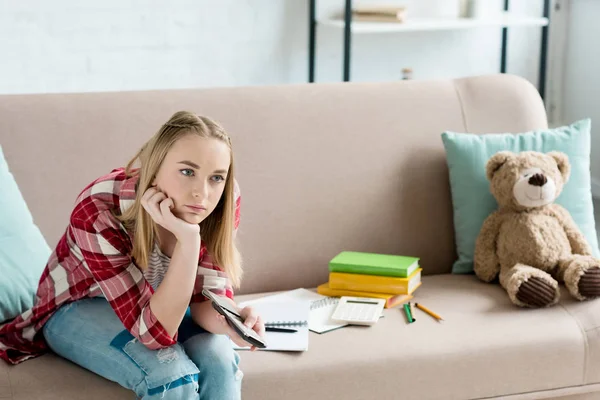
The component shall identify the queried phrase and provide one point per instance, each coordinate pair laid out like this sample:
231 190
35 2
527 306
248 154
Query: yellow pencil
428 311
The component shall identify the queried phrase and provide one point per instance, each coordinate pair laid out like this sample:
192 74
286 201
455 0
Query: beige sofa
325 168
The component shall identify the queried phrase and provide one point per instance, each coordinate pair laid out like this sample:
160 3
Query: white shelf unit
504 20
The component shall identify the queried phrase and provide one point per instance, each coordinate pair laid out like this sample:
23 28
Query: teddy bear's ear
497 161
562 162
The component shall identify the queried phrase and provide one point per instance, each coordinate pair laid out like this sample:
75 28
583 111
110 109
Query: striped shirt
157 267
158 264
93 258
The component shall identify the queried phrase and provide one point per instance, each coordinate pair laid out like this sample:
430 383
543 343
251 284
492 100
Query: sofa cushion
472 201
51 377
23 250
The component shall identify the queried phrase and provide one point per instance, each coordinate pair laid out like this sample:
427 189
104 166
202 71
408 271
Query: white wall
582 68
68 45
109 45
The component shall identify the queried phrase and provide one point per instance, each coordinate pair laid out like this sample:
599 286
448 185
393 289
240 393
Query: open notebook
321 307
292 313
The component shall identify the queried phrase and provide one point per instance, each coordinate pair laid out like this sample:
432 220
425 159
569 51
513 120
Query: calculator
358 310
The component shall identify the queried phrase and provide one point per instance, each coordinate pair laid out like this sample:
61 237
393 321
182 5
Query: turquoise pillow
23 250
472 202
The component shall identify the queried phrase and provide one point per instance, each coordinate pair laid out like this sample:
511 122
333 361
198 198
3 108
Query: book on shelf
377 13
375 283
375 18
391 300
353 262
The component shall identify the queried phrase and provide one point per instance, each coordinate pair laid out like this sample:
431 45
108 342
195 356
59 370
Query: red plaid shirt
93 258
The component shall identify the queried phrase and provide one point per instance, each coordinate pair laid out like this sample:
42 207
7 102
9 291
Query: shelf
437 24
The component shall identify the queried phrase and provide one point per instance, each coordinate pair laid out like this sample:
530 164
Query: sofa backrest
322 167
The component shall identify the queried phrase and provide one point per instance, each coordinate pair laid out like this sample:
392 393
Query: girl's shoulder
112 191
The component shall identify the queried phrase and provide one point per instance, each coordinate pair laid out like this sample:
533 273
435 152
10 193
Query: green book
353 262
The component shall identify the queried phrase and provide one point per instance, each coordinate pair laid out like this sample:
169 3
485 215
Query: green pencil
407 312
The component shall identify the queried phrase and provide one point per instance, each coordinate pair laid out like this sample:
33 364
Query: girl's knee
214 355
219 375
168 373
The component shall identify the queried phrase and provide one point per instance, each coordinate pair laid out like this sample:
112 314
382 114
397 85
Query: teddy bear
531 243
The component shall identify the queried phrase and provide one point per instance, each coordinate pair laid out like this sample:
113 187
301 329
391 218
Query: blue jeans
201 365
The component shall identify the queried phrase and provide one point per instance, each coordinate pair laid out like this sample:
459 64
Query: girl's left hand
253 321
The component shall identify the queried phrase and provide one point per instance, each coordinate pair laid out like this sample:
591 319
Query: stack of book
391 277
376 13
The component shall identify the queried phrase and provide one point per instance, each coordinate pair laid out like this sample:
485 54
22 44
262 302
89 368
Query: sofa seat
486 347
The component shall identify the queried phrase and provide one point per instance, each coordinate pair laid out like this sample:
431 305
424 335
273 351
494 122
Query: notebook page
282 312
320 310
320 318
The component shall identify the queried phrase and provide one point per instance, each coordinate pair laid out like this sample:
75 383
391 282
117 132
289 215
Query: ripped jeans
201 365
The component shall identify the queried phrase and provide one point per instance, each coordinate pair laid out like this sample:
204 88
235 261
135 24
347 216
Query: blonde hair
217 229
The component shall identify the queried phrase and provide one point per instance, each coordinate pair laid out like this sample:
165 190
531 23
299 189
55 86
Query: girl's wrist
189 240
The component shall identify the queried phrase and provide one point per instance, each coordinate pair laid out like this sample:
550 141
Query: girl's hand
159 206
251 320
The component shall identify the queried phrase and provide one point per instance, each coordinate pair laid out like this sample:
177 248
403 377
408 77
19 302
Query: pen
412 311
428 311
282 330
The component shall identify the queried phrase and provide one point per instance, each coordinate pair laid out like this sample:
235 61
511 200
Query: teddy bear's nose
538 180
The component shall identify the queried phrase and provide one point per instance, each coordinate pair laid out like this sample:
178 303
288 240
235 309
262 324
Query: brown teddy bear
531 243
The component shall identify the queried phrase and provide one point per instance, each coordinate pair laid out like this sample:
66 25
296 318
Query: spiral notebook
292 313
321 308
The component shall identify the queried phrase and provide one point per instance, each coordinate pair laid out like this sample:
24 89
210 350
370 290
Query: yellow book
396 11
375 283
392 300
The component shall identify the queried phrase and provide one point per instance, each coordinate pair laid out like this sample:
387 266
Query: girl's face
193 175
